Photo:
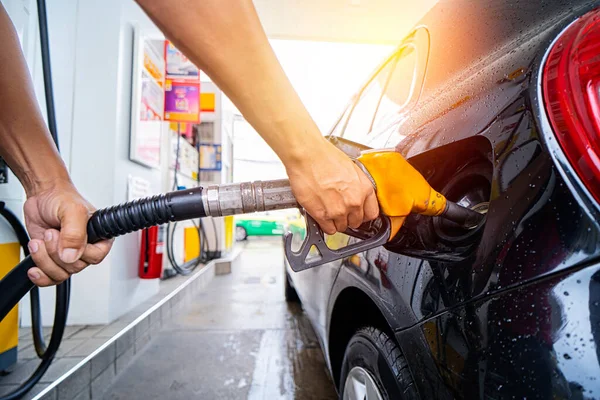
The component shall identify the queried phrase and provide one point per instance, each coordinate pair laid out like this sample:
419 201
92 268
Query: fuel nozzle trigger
302 259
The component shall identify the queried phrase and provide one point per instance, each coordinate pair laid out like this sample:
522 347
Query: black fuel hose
109 223
139 214
34 294
60 315
47 70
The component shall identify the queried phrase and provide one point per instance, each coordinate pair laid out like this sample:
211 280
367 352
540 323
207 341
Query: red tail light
571 85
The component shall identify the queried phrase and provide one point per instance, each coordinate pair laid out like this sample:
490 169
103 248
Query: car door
378 110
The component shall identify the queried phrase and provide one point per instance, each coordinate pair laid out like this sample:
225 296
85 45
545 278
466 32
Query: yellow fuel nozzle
400 188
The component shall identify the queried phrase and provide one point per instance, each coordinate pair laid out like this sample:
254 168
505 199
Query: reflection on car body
510 309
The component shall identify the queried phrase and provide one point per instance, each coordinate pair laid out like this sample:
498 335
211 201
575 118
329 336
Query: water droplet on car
566 293
567 356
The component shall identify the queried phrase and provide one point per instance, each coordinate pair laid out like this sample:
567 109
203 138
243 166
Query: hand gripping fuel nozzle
401 190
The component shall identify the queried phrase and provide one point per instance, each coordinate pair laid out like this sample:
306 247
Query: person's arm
226 40
55 213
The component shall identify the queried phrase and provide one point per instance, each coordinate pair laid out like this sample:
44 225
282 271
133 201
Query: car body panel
538 340
479 96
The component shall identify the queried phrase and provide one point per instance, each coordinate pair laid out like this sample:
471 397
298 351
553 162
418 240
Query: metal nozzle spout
248 197
462 216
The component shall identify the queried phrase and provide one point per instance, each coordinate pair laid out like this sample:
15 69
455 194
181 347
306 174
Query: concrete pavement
239 340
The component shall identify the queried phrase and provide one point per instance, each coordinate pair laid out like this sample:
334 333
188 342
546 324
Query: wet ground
240 340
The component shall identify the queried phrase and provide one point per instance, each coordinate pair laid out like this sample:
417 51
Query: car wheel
375 369
291 296
240 233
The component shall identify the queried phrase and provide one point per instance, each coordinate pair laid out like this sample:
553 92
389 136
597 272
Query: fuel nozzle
248 197
465 217
402 190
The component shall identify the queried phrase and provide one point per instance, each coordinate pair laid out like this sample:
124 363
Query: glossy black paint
537 341
512 310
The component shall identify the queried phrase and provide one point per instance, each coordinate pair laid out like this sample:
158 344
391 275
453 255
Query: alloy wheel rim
360 385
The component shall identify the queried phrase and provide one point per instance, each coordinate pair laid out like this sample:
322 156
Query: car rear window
383 97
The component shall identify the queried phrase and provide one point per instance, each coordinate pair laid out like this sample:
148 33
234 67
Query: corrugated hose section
129 217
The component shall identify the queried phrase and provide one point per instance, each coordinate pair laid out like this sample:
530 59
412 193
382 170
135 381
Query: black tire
378 354
291 296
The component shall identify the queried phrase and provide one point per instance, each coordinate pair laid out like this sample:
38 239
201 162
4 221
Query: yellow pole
9 327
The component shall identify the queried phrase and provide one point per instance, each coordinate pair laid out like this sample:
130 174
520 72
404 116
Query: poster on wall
182 101
152 99
178 65
185 130
185 154
147 150
147 103
210 157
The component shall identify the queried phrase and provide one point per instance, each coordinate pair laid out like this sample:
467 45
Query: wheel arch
353 309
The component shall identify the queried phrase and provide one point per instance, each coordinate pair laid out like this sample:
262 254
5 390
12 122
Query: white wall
93 142
126 289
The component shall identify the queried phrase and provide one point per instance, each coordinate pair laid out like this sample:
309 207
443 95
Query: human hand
56 219
332 189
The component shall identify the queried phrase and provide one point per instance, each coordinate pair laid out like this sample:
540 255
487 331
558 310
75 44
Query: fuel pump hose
108 223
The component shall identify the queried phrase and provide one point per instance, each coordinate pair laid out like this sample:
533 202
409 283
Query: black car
497 104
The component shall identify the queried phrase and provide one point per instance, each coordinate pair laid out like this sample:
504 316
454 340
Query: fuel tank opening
469 188
438 238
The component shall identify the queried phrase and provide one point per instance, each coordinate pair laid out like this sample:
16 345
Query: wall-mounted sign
178 65
185 129
188 156
154 63
151 107
210 157
137 188
182 101
207 102
147 103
